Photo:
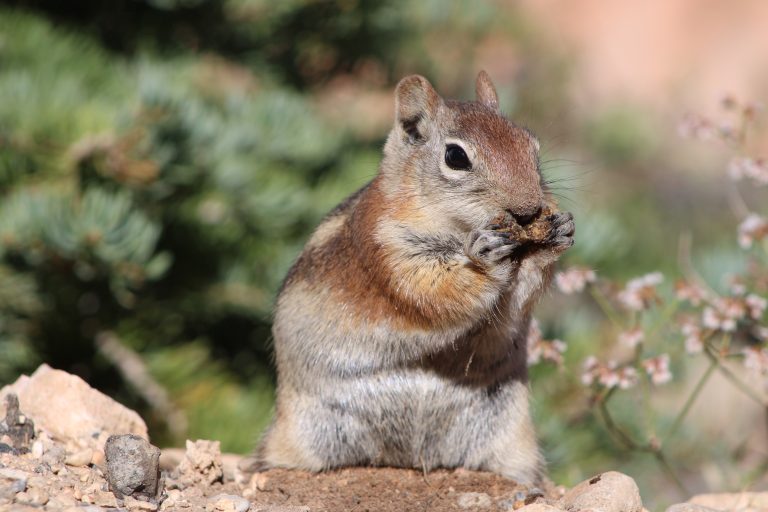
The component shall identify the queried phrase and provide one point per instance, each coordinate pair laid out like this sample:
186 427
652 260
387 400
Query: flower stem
728 374
605 306
691 399
671 472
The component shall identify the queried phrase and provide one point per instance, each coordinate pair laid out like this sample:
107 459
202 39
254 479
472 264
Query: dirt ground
388 489
35 481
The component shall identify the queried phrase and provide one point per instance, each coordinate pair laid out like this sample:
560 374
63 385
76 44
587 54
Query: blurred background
163 161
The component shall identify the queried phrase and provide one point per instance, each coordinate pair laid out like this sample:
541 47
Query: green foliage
161 194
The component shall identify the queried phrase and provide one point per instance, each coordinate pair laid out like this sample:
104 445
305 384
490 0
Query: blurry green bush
161 164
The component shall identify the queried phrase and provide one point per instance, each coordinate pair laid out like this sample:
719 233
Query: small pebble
19 478
474 500
134 504
80 458
281 508
260 481
229 503
36 497
37 449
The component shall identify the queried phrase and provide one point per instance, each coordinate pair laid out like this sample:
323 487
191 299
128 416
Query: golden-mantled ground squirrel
400 332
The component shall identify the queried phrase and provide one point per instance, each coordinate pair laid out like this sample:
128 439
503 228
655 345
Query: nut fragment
535 232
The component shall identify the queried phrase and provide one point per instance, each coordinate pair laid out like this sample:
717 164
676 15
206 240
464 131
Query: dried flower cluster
651 330
541 350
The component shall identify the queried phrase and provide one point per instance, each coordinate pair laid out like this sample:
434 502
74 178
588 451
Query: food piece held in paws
536 232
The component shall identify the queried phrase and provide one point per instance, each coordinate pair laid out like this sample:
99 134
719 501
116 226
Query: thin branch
135 372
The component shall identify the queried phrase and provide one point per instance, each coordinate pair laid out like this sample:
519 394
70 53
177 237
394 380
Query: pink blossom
639 293
753 227
694 126
755 305
540 349
751 168
736 285
632 337
574 279
627 377
657 369
756 358
546 350
724 314
690 292
694 342
607 375
589 368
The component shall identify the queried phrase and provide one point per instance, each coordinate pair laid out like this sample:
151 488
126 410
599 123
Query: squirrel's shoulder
327 240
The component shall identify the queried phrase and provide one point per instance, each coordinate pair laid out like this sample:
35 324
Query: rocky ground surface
65 446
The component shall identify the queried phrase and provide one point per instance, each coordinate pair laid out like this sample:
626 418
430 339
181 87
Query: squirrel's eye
456 158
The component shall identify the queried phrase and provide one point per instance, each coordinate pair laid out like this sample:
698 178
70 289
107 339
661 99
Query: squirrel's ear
485 91
416 105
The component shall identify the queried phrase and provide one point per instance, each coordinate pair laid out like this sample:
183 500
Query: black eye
456 158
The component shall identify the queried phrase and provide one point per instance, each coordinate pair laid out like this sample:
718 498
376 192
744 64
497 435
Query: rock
79 458
170 458
132 467
103 499
521 499
139 505
16 425
69 409
18 480
690 507
260 482
62 499
741 501
201 464
37 449
35 497
55 455
280 508
538 507
608 492
474 500
229 503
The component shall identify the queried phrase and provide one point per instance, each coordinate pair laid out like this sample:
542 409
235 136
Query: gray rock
132 467
16 424
608 492
18 479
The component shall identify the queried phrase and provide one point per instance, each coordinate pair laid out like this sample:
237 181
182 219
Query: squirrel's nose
525 219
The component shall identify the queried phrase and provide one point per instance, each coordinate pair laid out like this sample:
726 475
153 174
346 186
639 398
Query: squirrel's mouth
524 220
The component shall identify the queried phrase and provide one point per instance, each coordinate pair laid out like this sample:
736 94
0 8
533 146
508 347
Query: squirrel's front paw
562 229
488 246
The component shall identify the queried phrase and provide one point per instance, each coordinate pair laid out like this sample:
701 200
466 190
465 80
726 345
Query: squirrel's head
465 158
